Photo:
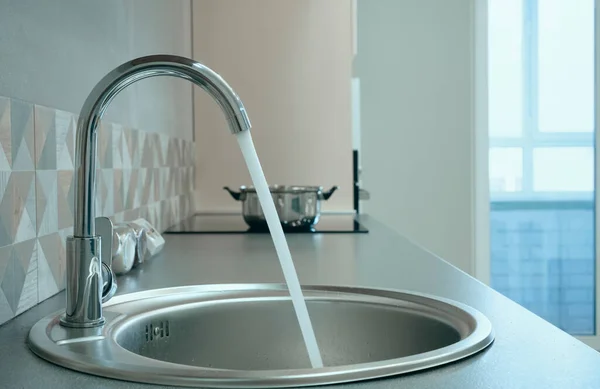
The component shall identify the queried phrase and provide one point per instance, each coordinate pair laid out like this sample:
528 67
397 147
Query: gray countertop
527 353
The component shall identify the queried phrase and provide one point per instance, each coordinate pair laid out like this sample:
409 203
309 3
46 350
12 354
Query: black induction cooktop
234 224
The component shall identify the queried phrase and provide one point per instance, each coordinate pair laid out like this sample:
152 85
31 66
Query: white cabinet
290 62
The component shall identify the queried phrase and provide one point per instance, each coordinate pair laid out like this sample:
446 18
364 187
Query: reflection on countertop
227 223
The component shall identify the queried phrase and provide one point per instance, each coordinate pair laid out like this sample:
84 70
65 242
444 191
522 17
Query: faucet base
64 321
84 283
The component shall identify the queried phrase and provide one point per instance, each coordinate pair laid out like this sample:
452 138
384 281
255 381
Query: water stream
283 252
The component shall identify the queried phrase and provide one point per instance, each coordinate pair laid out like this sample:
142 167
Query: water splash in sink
283 252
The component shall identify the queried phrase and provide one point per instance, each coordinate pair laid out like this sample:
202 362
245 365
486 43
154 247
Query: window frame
531 136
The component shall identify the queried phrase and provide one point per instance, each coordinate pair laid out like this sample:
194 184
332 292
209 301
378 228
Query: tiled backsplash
139 174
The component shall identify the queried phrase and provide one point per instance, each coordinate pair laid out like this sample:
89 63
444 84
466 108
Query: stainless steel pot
297 206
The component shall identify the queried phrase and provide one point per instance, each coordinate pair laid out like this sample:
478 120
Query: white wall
290 62
53 53
415 64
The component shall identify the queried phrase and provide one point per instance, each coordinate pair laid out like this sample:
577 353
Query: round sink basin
248 336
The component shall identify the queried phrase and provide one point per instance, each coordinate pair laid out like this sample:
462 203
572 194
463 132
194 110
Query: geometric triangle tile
127 149
135 137
63 129
193 179
7 210
117 190
6 312
29 294
22 159
109 208
147 151
149 183
165 214
12 283
105 192
46 202
4 165
22 135
158 184
5 135
26 228
52 252
102 190
157 156
71 137
193 154
171 180
188 179
47 286
18 197
117 146
65 198
154 213
30 203
140 142
163 177
145 183
179 151
174 208
172 153
45 138
174 181
5 238
126 174
156 174
105 145
185 153
134 192
25 252
189 147
5 257
164 149
63 159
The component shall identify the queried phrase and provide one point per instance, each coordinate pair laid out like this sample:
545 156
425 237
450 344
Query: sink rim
137 368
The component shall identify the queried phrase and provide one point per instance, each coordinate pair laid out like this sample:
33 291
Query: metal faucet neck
86 272
106 90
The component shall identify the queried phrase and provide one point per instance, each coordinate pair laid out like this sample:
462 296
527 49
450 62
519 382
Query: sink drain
157 331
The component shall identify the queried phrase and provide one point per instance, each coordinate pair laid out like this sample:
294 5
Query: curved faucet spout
84 299
102 95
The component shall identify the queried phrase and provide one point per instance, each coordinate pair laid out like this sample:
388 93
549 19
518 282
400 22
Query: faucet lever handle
104 228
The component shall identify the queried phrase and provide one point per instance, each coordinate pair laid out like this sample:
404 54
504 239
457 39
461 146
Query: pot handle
236 195
327 195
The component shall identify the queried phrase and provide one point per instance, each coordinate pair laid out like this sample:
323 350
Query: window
542 157
541 98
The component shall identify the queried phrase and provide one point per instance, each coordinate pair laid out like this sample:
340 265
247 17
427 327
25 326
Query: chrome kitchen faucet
90 279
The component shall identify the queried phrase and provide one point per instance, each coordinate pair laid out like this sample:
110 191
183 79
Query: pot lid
284 189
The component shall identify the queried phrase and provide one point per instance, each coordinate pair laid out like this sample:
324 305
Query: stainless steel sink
247 336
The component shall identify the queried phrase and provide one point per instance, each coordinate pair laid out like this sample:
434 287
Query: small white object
141 251
154 240
124 246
